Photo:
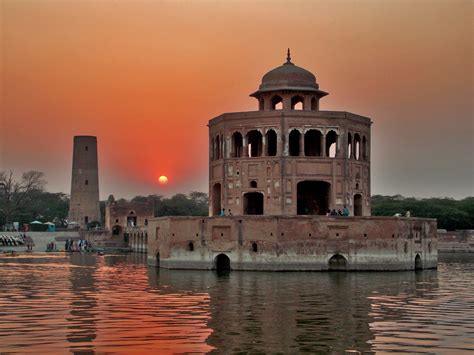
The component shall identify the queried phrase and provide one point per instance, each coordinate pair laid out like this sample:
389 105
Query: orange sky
146 76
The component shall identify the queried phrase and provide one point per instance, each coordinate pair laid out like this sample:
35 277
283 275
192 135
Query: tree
15 194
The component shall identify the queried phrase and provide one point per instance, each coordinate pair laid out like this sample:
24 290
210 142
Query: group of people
78 245
51 247
344 212
222 214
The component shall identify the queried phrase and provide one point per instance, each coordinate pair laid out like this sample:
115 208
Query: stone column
301 145
323 145
264 146
286 102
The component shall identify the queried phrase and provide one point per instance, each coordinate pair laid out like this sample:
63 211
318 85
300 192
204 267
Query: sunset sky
146 76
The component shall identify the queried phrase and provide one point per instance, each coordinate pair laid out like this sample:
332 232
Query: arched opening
312 143
157 259
337 263
277 103
237 145
418 262
190 246
132 219
357 146
216 199
217 146
116 230
253 203
357 205
349 145
271 138
294 143
254 247
312 197
314 104
222 263
364 148
297 103
331 144
254 139
253 184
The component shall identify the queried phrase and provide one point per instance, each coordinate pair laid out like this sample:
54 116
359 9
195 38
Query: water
84 303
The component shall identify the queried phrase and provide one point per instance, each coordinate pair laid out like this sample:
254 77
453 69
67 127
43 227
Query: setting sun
163 180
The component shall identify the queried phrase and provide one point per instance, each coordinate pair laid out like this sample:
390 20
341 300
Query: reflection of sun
163 180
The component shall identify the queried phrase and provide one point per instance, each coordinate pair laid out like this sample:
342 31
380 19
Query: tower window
87 148
87 182
253 184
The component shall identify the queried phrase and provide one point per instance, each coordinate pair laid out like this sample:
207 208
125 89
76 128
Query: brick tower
84 205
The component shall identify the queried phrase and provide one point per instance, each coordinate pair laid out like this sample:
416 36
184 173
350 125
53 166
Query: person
333 212
230 213
328 212
345 211
222 212
339 212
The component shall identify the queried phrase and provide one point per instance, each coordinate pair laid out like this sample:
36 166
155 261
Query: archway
253 203
312 197
357 205
418 262
254 139
158 259
294 143
297 103
222 263
116 230
271 138
312 143
277 102
237 145
337 263
216 199
331 144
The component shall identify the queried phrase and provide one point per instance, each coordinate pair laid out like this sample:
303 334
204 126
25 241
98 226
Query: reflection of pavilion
292 313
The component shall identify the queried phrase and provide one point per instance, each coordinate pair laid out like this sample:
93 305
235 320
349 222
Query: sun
163 180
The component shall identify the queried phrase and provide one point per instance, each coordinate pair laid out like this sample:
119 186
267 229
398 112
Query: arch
331 144
216 199
217 147
254 141
418 262
190 246
349 146
357 154
271 138
357 205
222 263
297 103
312 143
116 230
314 104
337 262
312 197
277 102
254 247
294 143
157 258
237 144
364 148
253 203
253 184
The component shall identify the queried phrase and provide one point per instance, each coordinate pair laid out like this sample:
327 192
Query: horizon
146 77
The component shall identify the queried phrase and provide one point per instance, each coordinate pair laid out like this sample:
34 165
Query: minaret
84 205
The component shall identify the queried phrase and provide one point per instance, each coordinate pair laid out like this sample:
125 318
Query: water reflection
115 303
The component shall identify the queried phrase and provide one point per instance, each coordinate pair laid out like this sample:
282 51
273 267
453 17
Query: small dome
289 77
286 76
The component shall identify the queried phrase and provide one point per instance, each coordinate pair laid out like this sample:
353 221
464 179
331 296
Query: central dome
289 77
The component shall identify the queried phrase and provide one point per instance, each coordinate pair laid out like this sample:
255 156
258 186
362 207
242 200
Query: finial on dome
288 56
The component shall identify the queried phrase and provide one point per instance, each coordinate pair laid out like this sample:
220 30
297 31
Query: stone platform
293 243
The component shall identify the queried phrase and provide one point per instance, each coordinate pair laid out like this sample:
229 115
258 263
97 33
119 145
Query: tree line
24 200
